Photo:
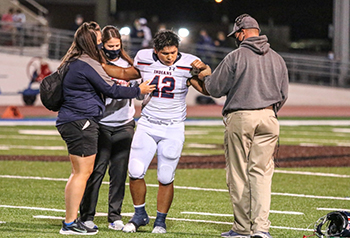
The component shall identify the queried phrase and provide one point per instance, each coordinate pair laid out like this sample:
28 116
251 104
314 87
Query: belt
235 110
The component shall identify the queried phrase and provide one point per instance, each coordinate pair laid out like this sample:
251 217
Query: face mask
112 54
99 46
237 41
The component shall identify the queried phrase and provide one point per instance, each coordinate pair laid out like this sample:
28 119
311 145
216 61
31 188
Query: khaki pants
250 140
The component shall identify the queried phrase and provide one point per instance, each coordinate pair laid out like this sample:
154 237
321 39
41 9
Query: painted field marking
193 132
231 215
189 188
332 209
203 146
314 122
312 173
29 137
195 154
2 222
39 132
313 140
25 147
318 133
190 220
34 208
341 130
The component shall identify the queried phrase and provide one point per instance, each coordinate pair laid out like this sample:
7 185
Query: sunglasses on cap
239 19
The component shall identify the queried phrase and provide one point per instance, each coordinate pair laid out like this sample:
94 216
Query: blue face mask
112 54
99 46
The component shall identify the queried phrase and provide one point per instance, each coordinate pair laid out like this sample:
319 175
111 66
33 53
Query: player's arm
197 84
122 73
201 69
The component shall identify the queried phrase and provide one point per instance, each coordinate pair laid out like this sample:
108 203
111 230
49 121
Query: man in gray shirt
254 79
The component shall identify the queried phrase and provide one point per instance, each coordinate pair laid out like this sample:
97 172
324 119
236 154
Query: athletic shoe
90 224
231 233
159 230
77 228
135 222
129 228
261 235
116 225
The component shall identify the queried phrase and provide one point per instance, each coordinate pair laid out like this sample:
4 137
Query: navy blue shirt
83 86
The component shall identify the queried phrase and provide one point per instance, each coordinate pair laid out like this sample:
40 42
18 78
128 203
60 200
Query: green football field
32 192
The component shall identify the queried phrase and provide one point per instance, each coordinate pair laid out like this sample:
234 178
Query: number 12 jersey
168 101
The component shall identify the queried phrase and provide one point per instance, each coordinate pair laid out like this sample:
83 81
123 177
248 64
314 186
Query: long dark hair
109 32
85 41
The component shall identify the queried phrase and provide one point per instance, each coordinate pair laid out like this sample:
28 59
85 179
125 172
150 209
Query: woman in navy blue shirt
84 87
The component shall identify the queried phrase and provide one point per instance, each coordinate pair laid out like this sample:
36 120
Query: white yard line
34 208
313 140
30 137
231 215
25 147
39 132
332 209
312 173
193 220
189 188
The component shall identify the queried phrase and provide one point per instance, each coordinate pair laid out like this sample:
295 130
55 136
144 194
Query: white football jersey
168 99
118 112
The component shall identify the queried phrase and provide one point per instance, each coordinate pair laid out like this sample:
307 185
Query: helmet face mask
335 224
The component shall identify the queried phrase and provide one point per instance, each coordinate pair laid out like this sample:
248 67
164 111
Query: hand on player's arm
146 88
197 84
121 73
203 68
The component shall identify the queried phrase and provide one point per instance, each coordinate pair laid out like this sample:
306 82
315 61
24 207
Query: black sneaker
77 228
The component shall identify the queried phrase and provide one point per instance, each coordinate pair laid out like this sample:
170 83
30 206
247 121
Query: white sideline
188 188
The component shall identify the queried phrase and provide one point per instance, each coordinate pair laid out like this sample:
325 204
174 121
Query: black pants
113 150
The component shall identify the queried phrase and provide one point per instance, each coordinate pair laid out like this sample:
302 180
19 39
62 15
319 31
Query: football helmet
336 224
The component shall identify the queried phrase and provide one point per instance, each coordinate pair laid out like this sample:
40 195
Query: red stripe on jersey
143 63
184 68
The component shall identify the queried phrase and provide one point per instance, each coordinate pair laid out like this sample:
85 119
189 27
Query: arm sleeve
104 84
217 83
284 87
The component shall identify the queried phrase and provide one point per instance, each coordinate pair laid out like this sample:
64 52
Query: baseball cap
244 21
143 21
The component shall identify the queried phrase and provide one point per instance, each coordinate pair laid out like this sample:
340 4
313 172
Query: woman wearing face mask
116 132
77 120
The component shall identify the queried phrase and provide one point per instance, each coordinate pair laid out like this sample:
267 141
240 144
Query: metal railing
34 40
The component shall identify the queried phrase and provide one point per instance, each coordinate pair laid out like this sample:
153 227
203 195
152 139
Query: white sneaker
129 228
116 225
159 230
90 224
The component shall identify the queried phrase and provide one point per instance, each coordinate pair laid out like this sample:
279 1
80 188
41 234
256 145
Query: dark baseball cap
244 21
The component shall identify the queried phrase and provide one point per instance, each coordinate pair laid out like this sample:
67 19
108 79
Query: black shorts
80 136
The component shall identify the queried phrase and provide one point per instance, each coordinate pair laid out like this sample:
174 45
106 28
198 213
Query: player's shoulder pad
144 57
188 57
185 61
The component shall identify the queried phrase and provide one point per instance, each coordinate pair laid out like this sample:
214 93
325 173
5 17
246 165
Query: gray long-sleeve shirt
251 77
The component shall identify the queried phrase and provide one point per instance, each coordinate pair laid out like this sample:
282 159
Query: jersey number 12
164 87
